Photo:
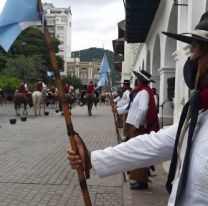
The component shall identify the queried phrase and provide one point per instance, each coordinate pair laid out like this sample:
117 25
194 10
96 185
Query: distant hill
97 54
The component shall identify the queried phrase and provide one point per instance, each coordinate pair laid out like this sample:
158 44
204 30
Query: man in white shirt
142 118
117 103
185 142
118 96
122 100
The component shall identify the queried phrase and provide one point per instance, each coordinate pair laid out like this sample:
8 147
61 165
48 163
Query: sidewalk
156 194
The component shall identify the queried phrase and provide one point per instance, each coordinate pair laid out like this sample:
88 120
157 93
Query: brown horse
71 99
53 100
90 100
21 100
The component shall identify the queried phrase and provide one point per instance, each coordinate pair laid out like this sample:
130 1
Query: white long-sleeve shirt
117 100
138 109
124 100
146 150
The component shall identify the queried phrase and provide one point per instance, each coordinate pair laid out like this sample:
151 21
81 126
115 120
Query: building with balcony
59 26
118 47
84 70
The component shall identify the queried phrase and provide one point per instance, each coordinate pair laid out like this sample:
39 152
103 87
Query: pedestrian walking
185 142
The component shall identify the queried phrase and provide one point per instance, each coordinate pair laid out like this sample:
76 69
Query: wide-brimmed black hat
126 81
143 76
200 33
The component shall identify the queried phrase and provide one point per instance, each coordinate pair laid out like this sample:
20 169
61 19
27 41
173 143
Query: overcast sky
94 22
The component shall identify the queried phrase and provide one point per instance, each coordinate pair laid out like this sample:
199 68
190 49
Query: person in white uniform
186 142
122 100
142 118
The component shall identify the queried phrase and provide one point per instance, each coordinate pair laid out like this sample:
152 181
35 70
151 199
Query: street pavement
34 170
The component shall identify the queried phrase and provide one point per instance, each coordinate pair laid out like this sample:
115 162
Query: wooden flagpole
114 113
67 114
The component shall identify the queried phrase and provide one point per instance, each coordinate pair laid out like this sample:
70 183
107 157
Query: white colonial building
145 47
84 70
59 25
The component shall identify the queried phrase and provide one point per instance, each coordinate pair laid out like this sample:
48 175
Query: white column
181 90
165 105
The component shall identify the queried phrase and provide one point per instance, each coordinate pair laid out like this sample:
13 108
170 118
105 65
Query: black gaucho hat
199 34
143 76
126 81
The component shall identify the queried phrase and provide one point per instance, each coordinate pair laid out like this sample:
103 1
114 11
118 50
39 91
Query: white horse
39 100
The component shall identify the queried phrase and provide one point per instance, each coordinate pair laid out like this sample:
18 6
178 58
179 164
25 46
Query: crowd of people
185 143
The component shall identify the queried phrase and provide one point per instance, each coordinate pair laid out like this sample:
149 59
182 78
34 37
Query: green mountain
93 54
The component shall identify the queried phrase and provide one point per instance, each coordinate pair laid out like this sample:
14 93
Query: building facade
59 25
86 71
161 56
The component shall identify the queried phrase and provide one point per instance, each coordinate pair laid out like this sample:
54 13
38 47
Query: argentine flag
15 16
103 72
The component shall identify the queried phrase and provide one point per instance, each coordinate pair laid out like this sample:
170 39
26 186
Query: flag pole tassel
67 115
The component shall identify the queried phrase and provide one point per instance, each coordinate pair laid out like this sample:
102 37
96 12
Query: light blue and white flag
103 72
103 81
15 16
104 67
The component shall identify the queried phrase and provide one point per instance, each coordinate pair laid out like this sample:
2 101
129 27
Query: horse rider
68 88
53 91
23 88
41 86
90 89
71 88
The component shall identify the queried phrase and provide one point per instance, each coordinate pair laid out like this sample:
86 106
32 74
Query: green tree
29 47
9 84
25 68
3 61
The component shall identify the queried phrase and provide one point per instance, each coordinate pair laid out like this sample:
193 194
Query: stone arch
171 44
148 61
